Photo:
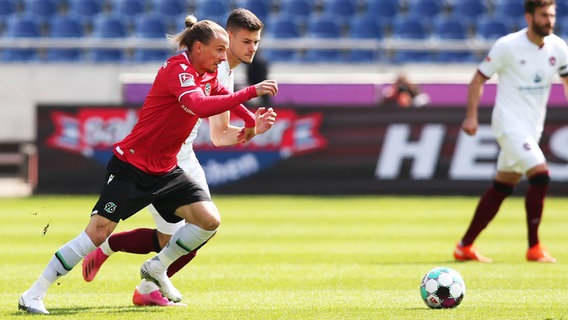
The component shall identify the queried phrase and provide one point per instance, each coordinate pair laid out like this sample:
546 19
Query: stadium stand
86 10
216 10
150 26
323 27
364 27
261 8
280 27
108 26
410 28
21 26
481 19
452 28
65 26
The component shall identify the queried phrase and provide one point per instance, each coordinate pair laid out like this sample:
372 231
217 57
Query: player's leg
489 203
64 259
139 241
202 219
539 179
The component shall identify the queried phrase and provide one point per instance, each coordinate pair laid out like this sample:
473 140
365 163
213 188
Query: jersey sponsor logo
91 133
186 80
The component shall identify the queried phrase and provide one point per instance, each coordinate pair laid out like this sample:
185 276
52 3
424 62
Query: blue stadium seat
323 27
7 8
108 26
425 8
86 10
170 8
215 10
261 8
281 27
343 10
129 9
21 26
150 26
301 10
65 26
364 27
383 10
512 9
410 28
491 27
43 9
561 9
452 28
469 10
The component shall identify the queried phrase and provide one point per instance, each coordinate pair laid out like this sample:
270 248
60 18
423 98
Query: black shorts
128 190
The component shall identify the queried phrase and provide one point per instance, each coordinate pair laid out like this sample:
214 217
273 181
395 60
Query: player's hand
469 126
264 119
246 134
269 87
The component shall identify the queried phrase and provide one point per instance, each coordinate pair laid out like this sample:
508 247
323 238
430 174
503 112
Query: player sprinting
244 30
143 169
526 62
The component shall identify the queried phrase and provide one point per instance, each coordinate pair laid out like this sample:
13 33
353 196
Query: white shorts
193 168
519 153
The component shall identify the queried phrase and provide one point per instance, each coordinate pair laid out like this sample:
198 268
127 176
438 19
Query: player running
526 63
244 30
144 170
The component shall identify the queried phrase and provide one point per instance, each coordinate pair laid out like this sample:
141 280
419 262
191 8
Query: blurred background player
526 62
244 30
143 169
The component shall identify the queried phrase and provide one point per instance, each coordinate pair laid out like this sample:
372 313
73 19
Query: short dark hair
241 18
531 5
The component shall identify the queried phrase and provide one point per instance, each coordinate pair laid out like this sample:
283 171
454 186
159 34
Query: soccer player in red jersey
144 170
244 29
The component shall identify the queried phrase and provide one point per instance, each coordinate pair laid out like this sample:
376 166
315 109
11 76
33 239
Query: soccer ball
442 288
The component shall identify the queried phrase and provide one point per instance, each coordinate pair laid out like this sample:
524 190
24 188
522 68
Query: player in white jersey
244 30
526 63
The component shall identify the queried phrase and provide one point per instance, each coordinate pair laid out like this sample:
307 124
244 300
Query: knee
541 179
99 229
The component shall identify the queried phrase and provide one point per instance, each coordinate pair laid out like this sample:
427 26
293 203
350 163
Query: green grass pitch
280 257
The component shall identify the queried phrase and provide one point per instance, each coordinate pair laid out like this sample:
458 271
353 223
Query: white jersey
187 159
525 72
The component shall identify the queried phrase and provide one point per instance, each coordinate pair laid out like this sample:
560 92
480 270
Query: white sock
63 261
183 241
105 248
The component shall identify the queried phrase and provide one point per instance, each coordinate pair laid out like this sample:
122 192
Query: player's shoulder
178 63
557 41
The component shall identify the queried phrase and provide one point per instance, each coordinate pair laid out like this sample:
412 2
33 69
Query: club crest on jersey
552 61
110 207
186 80
207 89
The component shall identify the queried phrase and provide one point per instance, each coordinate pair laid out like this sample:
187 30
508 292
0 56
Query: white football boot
32 303
153 270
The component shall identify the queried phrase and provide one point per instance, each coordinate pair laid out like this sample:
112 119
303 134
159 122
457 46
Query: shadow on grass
96 310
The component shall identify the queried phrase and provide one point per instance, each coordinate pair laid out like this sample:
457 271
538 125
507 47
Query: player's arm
564 80
224 134
474 93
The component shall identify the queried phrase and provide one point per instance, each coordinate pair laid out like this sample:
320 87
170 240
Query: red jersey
178 98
